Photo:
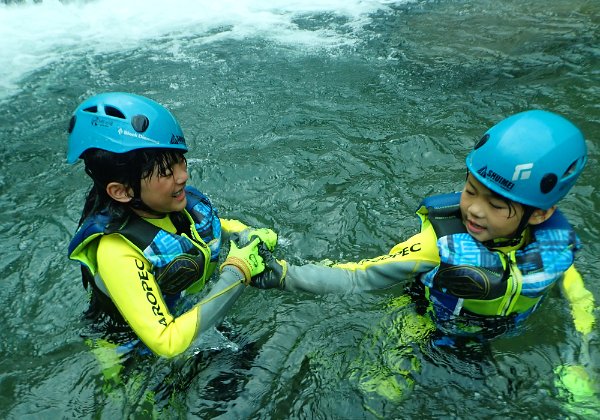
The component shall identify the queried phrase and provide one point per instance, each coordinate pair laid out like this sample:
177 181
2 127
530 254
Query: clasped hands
251 253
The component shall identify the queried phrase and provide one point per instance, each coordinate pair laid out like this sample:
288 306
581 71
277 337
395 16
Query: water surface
327 121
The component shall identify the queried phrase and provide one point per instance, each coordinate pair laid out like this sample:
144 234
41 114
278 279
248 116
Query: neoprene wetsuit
141 270
512 282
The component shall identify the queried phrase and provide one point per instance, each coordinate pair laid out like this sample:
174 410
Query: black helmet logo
177 139
482 171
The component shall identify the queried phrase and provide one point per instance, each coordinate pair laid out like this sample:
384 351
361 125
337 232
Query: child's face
485 215
165 194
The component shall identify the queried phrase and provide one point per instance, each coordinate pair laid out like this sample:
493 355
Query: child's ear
539 216
119 192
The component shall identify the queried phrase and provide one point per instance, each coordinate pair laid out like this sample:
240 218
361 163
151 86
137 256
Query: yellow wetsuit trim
416 255
164 223
414 252
133 289
232 225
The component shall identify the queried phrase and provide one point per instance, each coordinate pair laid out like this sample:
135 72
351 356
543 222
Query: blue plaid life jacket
474 280
178 261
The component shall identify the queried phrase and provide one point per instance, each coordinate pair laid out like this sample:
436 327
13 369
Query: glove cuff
284 269
241 265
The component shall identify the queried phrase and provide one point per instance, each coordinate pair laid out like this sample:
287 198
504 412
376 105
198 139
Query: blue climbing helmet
533 158
120 122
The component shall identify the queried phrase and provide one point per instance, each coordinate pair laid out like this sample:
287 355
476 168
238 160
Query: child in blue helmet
485 257
146 239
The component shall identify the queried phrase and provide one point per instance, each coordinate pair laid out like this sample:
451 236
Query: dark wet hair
509 203
512 210
128 169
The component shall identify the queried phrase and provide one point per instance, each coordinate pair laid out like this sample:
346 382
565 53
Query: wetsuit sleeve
407 259
229 226
580 299
132 287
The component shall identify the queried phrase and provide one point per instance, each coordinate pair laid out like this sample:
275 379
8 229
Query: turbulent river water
328 121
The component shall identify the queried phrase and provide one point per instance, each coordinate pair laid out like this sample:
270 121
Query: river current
327 121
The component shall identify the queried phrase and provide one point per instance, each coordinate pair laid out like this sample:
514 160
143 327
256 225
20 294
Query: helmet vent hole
548 183
140 123
570 169
482 141
71 124
113 112
92 109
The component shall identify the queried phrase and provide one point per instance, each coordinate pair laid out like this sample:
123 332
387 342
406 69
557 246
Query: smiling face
485 215
164 193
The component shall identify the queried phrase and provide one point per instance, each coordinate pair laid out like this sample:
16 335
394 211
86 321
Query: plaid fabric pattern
165 247
206 219
209 228
462 249
542 262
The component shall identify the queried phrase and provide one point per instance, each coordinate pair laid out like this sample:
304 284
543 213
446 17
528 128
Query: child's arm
230 226
245 233
574 377
128 280
580 299
416 255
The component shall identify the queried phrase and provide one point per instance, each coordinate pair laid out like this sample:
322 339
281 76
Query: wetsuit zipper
514 280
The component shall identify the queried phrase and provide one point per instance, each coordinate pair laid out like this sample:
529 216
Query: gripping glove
266 236
581 300
274 274
246 259
244 234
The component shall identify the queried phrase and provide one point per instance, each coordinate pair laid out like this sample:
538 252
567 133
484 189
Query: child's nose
181 174
476 209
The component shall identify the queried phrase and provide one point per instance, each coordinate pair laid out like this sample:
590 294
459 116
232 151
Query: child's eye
470 192
497 206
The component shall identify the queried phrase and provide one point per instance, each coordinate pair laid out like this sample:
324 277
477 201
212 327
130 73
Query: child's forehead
482 189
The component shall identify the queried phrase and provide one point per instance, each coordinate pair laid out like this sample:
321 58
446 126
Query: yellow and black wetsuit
461 277
141 269
473 292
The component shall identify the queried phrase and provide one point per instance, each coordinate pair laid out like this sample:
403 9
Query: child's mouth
474 227
179 195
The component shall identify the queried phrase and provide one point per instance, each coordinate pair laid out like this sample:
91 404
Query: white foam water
35 34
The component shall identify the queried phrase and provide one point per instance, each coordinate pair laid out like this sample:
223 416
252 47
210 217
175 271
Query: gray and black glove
273 277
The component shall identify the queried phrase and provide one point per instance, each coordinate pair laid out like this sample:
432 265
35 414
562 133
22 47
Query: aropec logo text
177 139
495 178
151 294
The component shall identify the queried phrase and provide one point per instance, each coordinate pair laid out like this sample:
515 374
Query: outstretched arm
128 280
416 255
574 380
231 226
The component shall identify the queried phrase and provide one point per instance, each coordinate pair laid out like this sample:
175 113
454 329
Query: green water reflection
333 148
